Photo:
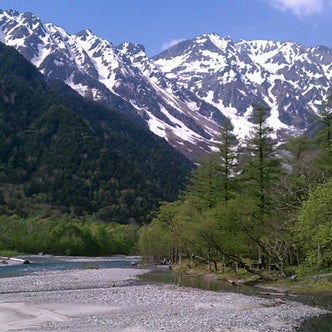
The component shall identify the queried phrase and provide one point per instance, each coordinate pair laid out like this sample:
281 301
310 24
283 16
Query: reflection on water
165 275
319 324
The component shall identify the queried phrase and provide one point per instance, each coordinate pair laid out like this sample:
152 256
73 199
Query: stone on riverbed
86 300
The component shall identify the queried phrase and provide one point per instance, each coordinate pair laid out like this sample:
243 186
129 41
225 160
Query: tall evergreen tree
214 180
260 173
260 166
325 116
227 162
204 184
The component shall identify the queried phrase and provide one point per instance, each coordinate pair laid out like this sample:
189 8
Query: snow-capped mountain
184 93
287 77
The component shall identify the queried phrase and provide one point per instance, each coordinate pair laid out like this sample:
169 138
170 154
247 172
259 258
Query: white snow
179 130
167 65
157 126
212 68
2 37
221 43
106 62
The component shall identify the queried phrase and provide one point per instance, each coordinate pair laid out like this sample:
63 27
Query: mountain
61 153
287 77
122 77
184 93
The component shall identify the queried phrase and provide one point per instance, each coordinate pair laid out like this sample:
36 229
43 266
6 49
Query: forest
253 204
65 235
79 179
61 154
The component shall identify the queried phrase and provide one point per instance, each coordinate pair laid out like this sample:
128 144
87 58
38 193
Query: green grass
314 284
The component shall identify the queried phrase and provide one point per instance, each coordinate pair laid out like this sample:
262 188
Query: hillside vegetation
61 154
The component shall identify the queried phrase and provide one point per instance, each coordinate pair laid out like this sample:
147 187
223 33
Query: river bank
114 300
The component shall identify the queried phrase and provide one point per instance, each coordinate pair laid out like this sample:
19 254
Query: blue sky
158 23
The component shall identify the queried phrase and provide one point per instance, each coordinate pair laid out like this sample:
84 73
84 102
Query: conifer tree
260 166
214 180
227 159
204 184
260 173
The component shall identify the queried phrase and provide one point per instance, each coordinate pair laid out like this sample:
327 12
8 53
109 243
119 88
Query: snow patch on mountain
184 93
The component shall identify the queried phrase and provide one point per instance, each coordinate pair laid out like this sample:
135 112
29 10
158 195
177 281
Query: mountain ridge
184 93
61 153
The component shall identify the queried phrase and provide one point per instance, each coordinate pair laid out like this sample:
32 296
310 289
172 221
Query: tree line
253 204
66 235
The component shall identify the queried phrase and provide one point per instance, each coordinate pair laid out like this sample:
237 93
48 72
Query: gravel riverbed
113 300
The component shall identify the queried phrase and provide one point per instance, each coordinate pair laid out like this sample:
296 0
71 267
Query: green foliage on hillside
271 207
62 154
66 236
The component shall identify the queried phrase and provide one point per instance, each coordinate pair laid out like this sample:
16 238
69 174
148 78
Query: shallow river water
165 275
54 263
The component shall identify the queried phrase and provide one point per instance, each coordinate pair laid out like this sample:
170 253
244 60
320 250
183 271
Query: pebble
113 300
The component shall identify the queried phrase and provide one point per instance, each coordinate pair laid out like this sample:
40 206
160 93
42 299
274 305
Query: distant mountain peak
184 93
84 34
131 48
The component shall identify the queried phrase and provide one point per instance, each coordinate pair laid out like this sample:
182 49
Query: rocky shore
113 300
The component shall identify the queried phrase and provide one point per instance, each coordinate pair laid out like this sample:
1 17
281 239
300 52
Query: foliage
228 162
67 163
9 253
313 228
324 139
60 153
260 168
167 231
241 206
66 236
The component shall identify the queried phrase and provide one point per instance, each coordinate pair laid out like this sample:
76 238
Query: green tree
324 138
261 171
312 230
308 159
325 116
163 237
205 183
299 154
260 166
240 233
227 159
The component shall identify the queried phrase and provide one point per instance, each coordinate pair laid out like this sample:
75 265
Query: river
165 275
319 324
48 262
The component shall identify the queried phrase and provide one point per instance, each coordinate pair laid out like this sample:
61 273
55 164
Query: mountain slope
287 77
77 156
113 76
184 93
